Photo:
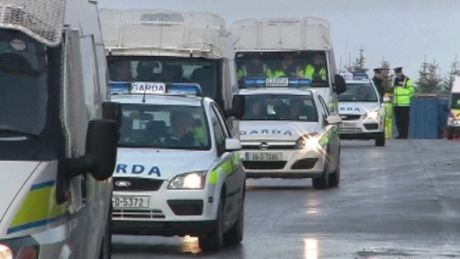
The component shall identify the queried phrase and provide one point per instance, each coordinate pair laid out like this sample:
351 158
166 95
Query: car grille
137 214
264 164
136 184
350 117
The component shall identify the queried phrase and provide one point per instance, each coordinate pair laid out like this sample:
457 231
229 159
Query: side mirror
339 83
334 120
237 107
111 111
232 144
101 151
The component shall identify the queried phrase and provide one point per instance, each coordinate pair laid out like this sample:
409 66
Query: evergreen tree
387 80
449 81
359 65
429 79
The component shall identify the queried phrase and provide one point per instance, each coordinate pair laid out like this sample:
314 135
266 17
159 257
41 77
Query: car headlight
309 141
188 181
373 115
5 252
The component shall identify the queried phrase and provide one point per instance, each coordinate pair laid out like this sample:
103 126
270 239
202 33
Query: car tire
322 182
334 178
450 133
234 236
380 140
214 241
105 251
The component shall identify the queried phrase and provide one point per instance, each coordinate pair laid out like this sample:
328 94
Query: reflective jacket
309 72
275 73
403 92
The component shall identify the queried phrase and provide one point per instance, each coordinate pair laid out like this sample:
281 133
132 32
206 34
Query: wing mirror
232 144
334 120
340 85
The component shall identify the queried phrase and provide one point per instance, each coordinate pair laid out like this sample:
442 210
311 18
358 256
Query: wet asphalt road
399 201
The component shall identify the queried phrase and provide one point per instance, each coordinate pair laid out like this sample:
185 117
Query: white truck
168 46
57 153
453 119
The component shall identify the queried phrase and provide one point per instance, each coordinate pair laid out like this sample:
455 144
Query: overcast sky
403 32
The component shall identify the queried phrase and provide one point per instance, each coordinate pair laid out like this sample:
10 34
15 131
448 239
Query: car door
234 178
334 143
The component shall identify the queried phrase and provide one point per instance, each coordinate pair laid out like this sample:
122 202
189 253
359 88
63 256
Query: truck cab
453 119
167 46
57 137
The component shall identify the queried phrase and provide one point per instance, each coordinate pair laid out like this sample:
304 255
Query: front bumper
167 212
361 129
294 163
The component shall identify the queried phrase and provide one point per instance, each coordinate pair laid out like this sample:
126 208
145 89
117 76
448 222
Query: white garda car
178 170
288 133
361 110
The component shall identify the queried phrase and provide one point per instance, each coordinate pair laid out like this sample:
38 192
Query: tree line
429 78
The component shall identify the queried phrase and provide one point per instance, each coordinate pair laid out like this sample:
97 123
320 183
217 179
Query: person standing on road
378 81
403 93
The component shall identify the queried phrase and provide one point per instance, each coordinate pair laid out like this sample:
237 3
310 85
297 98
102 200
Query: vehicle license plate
346 124
259 156
282 81
130 201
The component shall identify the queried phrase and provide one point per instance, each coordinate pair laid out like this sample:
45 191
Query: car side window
219 134
323 105
221 120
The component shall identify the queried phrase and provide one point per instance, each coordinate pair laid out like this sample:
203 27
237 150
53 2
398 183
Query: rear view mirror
334 119
101 151
238 106
232 144
339 84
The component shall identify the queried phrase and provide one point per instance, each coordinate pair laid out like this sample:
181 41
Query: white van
57 154
167 46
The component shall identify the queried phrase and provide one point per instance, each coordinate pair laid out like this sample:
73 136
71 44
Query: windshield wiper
4 132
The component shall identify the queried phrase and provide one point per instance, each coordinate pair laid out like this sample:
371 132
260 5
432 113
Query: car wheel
106 244
380 140
450 134
334 178
214 241
234 236
322 182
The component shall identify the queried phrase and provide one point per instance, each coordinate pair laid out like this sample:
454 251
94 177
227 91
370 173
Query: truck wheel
380 140
334 178
450 134
214 241
234 236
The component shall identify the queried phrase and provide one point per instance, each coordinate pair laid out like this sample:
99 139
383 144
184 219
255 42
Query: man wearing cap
402 97
378 81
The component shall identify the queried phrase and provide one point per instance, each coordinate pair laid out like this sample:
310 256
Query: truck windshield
23 85
280 107
455 101
359 93
164 126
311 66
205 72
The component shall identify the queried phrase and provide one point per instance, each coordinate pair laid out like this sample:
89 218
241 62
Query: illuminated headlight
373 115
188 181
5 252
309 141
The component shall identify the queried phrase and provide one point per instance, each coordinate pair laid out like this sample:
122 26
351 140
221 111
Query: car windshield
204 72
280 107
23 84
456 101
363 92
164 126
308 65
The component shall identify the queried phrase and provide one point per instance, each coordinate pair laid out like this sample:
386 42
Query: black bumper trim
193 228
372 135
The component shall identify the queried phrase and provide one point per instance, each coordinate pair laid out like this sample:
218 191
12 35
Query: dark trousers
402 115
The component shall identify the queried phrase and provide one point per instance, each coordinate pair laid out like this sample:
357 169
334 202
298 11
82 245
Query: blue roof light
155 88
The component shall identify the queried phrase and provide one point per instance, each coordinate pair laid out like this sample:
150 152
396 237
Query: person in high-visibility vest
286 68
403 93
251 68
315 71
388 116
